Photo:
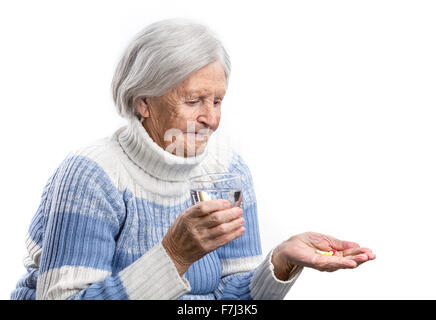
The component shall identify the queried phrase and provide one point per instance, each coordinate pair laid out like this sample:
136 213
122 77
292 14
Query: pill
325 253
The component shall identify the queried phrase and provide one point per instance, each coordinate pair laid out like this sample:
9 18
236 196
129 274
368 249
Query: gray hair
160 57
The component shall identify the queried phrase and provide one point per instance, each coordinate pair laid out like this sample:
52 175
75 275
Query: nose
210 116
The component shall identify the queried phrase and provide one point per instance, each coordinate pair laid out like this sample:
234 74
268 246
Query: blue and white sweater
103 214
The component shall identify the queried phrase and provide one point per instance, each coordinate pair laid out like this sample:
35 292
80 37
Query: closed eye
218 100
192 102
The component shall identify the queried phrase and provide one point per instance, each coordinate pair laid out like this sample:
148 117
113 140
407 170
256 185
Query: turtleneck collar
144 152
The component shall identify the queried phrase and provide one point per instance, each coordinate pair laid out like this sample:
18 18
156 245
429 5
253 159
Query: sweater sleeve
246 275
83 215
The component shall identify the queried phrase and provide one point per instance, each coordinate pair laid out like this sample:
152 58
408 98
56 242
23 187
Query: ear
142 107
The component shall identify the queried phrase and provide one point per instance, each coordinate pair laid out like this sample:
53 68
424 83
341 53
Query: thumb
341 244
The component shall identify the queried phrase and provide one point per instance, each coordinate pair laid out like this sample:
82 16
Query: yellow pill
325 253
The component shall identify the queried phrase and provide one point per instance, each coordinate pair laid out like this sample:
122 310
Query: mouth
200 134
197 135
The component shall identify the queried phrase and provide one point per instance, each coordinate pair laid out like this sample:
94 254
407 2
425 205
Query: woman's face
182 120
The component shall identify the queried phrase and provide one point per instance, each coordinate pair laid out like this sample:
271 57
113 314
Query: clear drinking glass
227 186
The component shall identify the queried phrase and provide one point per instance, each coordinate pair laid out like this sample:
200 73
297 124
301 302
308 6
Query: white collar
144 152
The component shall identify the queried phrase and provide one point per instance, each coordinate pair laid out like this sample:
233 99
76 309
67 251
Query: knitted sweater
97 232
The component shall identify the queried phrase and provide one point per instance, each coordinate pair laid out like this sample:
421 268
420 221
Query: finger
333 263
369 253
360 258
371 256
359 253
340 245
218 217
228 237
225 228
355 251
206 207
351 261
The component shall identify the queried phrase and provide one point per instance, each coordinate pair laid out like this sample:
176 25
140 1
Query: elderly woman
116 221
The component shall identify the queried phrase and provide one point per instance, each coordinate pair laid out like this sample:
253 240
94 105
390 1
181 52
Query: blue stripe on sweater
235 287
80 240
82 218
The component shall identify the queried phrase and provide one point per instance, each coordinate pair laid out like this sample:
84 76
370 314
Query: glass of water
227 186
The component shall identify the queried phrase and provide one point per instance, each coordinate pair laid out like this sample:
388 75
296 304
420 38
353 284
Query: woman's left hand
301 250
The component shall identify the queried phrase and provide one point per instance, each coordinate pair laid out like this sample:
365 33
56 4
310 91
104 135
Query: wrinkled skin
300 250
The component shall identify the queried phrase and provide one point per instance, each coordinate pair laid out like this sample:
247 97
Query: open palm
302 249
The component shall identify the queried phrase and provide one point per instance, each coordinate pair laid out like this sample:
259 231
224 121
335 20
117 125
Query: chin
199 149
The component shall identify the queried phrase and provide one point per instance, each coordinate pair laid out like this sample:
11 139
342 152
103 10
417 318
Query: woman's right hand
201 229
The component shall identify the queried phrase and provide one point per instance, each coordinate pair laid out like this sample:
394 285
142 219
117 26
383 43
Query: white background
332 104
